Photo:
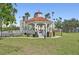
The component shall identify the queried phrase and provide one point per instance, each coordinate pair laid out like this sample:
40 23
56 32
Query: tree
53 23
58 24
7 14
27 15
23 18
47 16
70 25
23 22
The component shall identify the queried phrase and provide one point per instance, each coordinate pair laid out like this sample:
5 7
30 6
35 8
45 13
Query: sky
64 10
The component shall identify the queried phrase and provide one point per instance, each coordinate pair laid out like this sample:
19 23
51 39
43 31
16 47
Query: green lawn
67 44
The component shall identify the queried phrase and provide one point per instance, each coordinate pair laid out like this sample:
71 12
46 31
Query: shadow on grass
0 38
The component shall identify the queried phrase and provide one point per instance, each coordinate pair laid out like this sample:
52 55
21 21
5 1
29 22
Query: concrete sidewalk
33 37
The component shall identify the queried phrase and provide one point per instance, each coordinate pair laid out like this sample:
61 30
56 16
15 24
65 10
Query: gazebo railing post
45 29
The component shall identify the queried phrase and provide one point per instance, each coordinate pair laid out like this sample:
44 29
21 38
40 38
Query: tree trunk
53 33
1 29
61 31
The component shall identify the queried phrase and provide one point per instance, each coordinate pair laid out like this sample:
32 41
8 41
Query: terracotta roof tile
37 19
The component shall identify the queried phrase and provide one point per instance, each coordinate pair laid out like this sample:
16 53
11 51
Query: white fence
10 33
28 31
15 33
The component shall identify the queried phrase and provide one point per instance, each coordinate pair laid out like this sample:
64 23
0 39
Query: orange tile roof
36 19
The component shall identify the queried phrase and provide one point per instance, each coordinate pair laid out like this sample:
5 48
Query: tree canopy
7 13
70 25
58 23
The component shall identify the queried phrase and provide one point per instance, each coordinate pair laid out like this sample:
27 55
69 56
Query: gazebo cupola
38 14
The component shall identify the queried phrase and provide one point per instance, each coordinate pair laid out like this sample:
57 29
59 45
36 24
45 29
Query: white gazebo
37 24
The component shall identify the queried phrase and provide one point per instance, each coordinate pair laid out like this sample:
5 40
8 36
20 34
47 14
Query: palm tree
23 22
58 24
23 18
27 15
53 24
47 16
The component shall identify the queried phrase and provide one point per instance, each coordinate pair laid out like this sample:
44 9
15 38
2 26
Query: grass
65 45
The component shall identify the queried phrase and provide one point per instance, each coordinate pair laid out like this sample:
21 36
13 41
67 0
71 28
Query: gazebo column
43 27
46 28
53 25
35 27
51 34
53 29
